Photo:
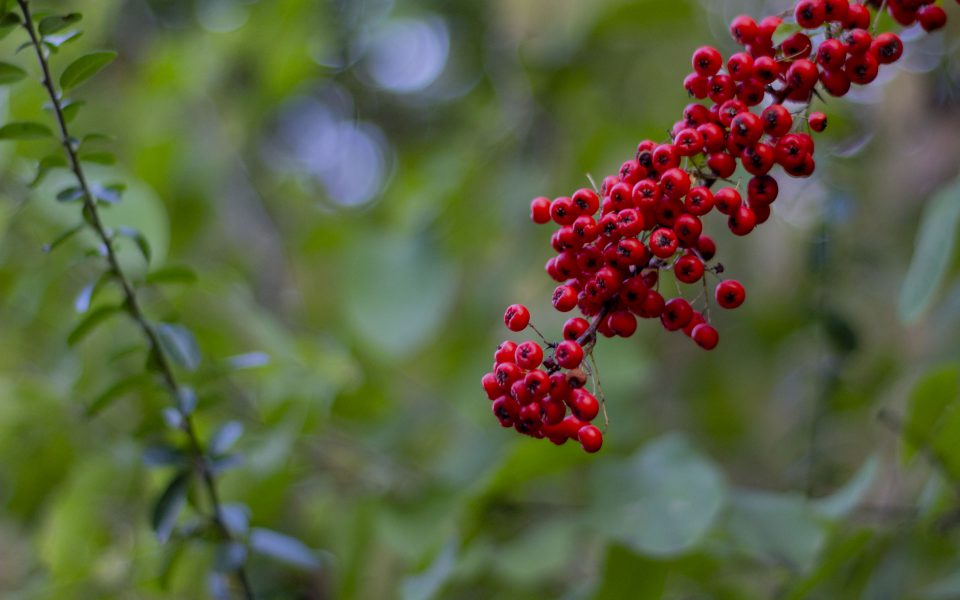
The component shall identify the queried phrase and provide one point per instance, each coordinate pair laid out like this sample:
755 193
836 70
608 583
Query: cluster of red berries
613 244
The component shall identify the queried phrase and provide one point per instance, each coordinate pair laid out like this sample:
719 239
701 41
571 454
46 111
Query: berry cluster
614 244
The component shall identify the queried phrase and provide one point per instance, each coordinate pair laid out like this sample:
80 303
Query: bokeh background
349 180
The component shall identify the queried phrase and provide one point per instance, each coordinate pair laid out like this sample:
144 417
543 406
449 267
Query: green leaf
628 575
47 164
163 455
225 437
929 402
63 237
84 68
172 274
845 500
236 518
100 158
229 557
10 73
283 548
71 108
55 42
111 194
168 506
70 194
934 251
115 392
778 529
57 23
180 345
138 238
7 22
24 130
90 322
663 501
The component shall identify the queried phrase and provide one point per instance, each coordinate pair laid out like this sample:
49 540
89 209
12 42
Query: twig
131 301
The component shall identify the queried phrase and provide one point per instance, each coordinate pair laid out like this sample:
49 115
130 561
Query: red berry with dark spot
590 438
517 317
569 354
705 336
818 121
529 355
730 294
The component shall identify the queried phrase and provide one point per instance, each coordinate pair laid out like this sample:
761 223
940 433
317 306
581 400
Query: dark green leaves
57 23
24 130
10 73
934 250
283 548
48 163
84 68
7 22
171 274
116 391
168 506
180 345
139 239
70 194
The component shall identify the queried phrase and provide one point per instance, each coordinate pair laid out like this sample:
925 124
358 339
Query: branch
132 302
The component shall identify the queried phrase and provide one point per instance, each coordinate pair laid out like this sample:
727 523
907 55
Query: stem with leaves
201 464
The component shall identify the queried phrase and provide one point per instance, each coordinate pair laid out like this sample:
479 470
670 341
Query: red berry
727 200
743 221
505 352
491 386
529 355
744 29
517 317
932 17
564 298
663 243
569 354
622 323
706 247
590 438
707 61
574 328
730 294
810 14
676 314
818 121
887 48
688 268
705 336
584 405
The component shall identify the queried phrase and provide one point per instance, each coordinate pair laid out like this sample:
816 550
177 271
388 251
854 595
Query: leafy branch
199 464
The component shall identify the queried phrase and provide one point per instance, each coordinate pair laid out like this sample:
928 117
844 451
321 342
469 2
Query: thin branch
131 301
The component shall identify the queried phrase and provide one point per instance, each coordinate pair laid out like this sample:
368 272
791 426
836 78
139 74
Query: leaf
90 322
48 163
162 455
236 518
928 403
24 130
89 292
172 274
57 23
55 42
71 108
845 500
426 585
180 345
250 360
664 500
70 194
63 237
933 253
168 506
111 194
84 68
283 548
172 418
229 557
100 158
7 22
628 575
225 463
186 400
114 392
780 529
225 437
10 73
138 238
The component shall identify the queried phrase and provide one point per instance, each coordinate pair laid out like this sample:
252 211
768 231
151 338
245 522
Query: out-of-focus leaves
665 499
111 193
629 575
101 158
428 584
169 504
284 548
236 518
929 402
171 274
836 556
90 322
845 500
70 194
397 291
229 556
46 164
250 360
186 400
180 345
84 68
24 130
70 109
143 244
934 250
115 392
777 529
57 23
63 237
947 588
225 437
7 22
10 73
162 455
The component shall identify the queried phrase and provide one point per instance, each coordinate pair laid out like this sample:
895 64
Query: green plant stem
132 303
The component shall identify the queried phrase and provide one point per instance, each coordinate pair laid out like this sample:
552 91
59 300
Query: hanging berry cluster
614 244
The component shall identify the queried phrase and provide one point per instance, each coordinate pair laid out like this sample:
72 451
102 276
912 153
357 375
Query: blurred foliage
348 183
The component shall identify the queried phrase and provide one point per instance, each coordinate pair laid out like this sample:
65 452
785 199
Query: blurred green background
350 181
